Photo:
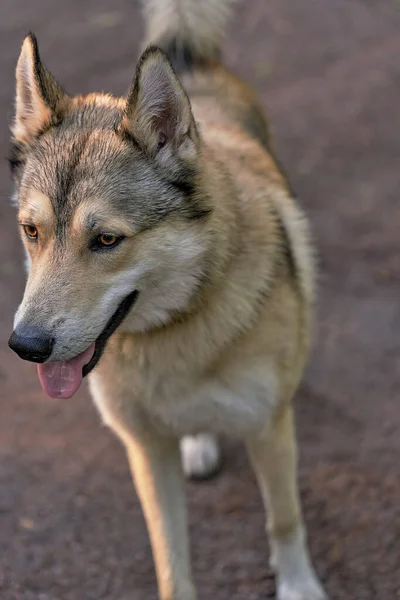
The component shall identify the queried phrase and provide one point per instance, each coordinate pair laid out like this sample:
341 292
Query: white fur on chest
233 404
238 404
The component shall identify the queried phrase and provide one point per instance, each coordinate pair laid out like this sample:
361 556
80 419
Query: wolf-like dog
167 257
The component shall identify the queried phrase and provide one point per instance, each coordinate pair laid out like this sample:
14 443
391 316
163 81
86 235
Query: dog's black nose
31 343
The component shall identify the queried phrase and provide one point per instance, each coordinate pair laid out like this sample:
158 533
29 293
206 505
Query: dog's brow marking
91 222
38 206
95 213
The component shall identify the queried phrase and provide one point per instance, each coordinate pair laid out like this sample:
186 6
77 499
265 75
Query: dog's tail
189 31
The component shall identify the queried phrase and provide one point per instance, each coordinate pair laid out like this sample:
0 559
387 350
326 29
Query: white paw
200 455
300 589
296 578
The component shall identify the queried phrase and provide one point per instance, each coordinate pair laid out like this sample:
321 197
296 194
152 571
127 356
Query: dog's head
111 213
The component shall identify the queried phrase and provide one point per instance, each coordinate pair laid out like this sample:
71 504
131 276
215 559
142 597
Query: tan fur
218 338
33 109
37 209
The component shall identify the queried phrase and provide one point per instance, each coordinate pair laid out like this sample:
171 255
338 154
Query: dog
168 259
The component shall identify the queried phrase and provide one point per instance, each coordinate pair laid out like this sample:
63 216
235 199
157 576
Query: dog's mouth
62 379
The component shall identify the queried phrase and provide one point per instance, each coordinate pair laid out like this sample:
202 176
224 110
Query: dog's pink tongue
62 379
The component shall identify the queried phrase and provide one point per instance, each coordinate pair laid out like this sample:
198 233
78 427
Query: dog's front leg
274 458
157 473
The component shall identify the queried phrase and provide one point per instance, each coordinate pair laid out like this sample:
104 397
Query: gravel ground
70 524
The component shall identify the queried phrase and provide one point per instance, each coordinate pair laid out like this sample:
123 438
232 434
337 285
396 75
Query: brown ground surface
70 524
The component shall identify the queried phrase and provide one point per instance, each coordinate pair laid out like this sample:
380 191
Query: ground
70 524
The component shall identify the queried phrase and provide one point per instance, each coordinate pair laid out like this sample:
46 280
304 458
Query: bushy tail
189 31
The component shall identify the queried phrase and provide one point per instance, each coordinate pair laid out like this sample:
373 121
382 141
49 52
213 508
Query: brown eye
105 241
31 232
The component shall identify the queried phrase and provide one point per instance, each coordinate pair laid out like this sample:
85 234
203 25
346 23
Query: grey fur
86 157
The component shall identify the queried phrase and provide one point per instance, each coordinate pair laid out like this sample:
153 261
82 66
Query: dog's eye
31 232
106 240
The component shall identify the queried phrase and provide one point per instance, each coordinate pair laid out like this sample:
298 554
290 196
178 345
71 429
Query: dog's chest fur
236 400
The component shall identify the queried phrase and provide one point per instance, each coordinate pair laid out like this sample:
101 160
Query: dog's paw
296 578
301 589
200 456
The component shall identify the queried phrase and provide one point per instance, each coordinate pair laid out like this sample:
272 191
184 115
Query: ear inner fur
158 111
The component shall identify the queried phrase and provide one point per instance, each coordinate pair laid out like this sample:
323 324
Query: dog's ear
40 101
158 114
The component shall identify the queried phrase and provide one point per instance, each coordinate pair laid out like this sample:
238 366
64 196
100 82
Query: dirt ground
70 524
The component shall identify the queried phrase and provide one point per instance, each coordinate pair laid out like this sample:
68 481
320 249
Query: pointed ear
158 113
40 101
